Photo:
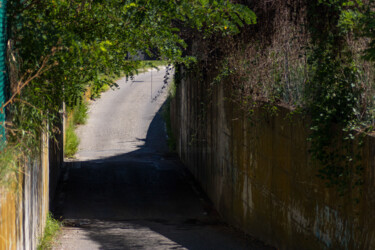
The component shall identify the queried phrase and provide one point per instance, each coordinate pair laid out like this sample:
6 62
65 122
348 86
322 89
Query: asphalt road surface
126 191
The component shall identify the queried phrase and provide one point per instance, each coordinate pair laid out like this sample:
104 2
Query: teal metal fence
3 74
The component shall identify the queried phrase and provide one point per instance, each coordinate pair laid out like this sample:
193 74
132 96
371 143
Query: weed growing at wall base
51 230
80 113
167 117
71 140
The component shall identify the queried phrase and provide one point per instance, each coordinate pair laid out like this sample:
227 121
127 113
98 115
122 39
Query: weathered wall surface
259 175
24 206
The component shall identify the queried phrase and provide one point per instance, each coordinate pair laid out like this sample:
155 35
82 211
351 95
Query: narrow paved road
125 191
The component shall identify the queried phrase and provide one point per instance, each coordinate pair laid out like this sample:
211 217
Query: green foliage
167 117
105 88
51 230
71 140
146 65
367 27
333 95
172 89
60 48
216 16
80 113
318 70
8 164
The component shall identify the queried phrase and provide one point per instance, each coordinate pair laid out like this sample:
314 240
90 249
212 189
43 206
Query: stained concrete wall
259 175
24 205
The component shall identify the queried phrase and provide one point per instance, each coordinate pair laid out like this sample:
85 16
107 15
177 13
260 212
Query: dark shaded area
55 157
122 202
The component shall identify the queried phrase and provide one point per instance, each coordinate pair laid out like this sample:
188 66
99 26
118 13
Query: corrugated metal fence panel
3 78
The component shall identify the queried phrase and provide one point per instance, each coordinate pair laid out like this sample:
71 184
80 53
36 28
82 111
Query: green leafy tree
57 48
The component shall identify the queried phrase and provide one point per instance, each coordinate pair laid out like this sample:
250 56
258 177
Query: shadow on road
144 199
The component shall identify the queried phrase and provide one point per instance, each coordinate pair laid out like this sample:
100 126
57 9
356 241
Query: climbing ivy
333 93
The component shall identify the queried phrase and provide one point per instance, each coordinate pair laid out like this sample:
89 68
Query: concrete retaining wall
259 175
24 206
